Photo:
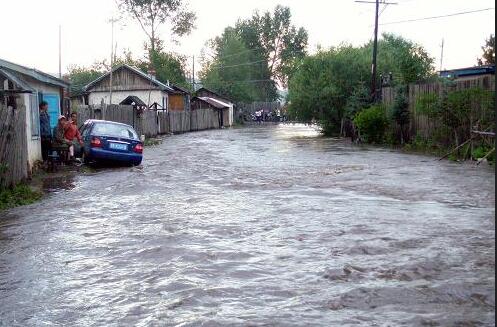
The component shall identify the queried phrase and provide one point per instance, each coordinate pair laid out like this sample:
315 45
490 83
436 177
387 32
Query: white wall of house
230 113
31 102
158 96
32 132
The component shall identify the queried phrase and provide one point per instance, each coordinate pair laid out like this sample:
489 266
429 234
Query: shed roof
17 80
154 81
212 92
469 71
38 75
180 89
214 102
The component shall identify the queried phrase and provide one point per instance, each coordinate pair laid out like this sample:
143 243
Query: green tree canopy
331 85
231 71
274 37
152 14
80 76
488 56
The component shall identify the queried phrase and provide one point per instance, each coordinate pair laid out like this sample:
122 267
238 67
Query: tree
151 14
331 85
80 76
323 86
168 67
279 42
407 61
230 72
488 56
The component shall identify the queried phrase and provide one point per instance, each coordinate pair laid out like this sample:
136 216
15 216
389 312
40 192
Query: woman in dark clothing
46 133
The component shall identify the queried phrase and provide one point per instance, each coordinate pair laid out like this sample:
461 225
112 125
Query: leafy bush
372 124
481 152
19 195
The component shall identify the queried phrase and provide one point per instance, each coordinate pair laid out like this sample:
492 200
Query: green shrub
19 195
481 152
372 124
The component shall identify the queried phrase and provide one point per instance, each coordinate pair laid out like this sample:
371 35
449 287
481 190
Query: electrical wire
436 17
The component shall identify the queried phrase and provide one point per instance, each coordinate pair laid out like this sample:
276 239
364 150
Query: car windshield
114 130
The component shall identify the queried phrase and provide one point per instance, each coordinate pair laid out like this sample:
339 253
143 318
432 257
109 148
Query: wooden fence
179 122
420 124
204 119
152 122
13 145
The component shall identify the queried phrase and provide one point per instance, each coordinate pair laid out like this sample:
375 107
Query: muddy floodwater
260 226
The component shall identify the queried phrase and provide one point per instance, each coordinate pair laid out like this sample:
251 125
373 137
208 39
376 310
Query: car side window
85 130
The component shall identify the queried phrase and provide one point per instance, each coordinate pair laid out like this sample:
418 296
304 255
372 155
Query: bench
59 154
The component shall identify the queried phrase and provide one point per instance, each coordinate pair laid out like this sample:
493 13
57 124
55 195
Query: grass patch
19 195
152 142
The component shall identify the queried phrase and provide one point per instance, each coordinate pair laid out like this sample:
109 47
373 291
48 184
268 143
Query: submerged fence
478 113
13 145
152 122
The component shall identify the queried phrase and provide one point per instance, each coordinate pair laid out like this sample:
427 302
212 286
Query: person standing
45 131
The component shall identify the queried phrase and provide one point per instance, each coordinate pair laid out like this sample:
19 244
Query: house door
220 117
53 101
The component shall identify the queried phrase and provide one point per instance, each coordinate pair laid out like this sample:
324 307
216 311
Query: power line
236 54
436 17
237 65
250 81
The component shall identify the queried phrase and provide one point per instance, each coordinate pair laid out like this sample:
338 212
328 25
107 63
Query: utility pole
442 55
193 75
375 43
375 52
60 51
111 59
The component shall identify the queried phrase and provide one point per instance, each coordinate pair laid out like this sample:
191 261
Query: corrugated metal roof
215 102
20 83
154 81
33 73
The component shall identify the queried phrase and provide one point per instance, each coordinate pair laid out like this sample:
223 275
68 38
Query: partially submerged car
107 141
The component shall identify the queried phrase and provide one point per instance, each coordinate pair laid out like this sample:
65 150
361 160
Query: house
222 108
130 81
205 98
468 72
180 100
30 87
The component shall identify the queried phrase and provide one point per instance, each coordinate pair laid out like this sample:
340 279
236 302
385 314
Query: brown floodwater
260 226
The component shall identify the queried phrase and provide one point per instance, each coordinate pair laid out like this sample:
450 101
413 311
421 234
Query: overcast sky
30 27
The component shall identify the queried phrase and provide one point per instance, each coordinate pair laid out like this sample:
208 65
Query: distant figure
45 132
258 116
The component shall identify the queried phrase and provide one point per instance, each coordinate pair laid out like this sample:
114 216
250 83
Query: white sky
30 27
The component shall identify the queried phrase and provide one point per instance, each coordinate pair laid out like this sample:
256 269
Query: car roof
106 122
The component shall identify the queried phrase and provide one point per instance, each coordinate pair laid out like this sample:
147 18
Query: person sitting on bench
72 134
60 141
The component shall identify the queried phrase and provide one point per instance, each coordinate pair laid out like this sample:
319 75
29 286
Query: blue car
106 141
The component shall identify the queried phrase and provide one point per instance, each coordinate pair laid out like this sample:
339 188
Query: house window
35 116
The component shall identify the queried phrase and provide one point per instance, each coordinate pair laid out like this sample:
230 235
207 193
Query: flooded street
261 226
